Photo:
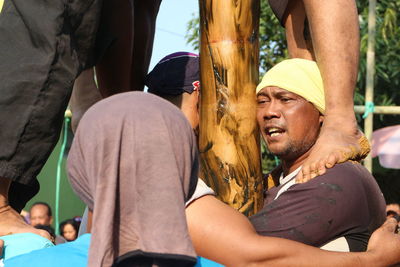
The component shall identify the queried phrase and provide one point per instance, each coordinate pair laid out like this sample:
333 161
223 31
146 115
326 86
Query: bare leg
113 70
10 221
298 45
84 95
335 39
145 14
126 62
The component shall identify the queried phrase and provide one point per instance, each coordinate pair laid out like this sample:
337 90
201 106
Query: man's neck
290 165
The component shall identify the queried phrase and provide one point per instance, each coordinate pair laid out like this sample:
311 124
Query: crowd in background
40 216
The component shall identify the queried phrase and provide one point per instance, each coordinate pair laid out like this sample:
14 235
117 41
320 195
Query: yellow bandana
299 76
1 5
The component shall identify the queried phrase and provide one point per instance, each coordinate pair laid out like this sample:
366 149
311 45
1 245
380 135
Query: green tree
387 79
387 55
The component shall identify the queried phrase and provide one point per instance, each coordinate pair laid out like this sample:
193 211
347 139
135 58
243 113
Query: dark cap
174 74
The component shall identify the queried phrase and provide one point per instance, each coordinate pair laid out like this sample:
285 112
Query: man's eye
285 99
262 101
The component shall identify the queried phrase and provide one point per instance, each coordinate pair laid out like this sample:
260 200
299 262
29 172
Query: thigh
145 16
124 64
297 31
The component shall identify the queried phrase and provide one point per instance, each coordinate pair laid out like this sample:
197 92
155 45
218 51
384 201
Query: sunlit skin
69 232
190 107
289 124
335 44
393 207
39 215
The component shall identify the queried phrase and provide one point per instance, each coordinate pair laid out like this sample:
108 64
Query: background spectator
69 229
40 213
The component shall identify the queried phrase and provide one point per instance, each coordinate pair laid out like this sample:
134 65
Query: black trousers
44 44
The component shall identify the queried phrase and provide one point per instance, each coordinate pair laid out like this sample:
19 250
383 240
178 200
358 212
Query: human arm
386 238
222 234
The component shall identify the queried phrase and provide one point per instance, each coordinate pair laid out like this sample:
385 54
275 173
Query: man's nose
271 110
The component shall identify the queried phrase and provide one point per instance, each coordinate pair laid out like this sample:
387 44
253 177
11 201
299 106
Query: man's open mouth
274 131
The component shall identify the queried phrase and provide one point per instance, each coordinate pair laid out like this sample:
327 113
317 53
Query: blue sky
171 28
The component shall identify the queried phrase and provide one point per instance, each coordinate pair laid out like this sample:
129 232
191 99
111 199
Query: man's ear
321 119
51 219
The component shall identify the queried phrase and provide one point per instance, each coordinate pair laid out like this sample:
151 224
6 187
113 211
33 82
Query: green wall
70 204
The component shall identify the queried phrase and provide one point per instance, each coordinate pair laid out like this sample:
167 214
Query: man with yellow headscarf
312 32
345 202
315 212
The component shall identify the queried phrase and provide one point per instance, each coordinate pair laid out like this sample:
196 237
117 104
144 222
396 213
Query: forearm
335 36
289 253
222 234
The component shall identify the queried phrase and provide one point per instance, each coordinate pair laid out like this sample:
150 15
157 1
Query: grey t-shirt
201 190
344 202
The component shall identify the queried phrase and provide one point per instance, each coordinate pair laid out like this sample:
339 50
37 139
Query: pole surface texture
229 137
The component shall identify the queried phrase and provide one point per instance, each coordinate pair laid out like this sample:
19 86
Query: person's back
344 202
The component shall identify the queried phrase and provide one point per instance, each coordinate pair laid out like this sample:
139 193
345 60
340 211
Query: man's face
288 123
39 215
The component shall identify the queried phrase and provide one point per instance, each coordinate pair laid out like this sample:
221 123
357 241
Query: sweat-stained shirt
344 202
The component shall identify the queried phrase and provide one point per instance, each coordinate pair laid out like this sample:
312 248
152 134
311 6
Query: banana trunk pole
229 136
